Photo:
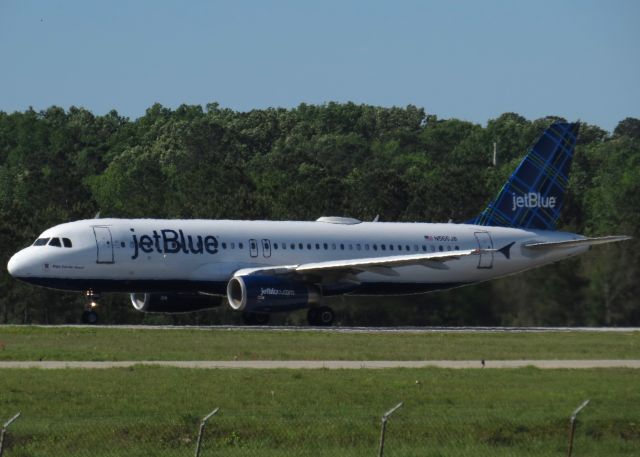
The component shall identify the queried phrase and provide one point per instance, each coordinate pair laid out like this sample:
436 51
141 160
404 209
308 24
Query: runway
329 364
304 328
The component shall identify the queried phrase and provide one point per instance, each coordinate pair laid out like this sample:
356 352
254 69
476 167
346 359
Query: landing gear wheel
255 318
90 317
320 317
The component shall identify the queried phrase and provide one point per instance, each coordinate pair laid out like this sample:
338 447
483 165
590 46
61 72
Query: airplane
264 267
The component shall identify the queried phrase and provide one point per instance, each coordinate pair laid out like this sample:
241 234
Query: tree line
400 164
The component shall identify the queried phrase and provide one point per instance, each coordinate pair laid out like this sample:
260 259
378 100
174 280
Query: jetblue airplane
264 267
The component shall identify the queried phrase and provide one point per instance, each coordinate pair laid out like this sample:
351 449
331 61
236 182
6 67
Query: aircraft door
266 248
484 242
253 248
104 244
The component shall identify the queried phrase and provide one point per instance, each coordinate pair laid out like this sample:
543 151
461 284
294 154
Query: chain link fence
409 432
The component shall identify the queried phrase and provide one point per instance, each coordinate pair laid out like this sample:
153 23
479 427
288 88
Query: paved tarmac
330 364
306 328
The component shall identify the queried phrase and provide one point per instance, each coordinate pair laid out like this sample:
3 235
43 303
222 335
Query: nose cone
17 265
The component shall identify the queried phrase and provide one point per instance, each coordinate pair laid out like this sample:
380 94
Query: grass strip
112 344
156 411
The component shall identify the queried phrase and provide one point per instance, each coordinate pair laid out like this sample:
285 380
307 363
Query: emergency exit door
484 242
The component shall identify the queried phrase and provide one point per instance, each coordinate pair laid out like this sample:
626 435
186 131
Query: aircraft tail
533 195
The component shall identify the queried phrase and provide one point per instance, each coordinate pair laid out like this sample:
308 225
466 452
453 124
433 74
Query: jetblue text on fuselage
532 200
172 242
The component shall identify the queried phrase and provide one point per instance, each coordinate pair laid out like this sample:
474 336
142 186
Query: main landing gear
317 316
90 316
255 318
322 316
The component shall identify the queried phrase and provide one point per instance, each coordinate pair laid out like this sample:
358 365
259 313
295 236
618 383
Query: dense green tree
314 160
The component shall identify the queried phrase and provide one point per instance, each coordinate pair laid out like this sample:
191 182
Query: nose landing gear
90 316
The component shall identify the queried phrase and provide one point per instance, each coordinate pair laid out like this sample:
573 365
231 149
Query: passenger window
448 248
351 247
67 243
55 242
292 245
366 247
333 246
415 247
407 247
224 245
318 246
399 247
309 246
326 246
375 247
440 248
275 245
424 248
64 240
233 245
240 245
284 246
383 247
391 247
457 248
358 246
300 245
342 247
41 242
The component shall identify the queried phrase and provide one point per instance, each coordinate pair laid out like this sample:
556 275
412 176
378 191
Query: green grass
145 411
102 344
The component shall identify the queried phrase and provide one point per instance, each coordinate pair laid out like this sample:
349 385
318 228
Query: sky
465 59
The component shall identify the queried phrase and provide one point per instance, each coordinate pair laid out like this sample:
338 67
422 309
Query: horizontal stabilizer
573 243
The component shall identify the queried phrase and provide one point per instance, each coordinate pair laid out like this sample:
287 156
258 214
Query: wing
573 243
378 265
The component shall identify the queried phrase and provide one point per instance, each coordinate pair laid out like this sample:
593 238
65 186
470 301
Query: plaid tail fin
533 195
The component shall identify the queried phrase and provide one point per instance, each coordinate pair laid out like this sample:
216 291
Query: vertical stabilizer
533 195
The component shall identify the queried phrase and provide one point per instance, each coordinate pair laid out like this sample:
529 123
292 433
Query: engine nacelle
258 293
173 303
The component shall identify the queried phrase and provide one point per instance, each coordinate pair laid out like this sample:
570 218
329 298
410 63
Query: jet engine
173 303
266 294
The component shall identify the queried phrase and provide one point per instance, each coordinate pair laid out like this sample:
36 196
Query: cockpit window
66 242
55 242
41 242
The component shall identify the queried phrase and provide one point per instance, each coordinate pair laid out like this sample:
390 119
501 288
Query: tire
325 316
90 317
312 316
255 318
320 317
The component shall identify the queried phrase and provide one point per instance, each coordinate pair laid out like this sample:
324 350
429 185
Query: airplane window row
66 242
364 246
345 246
232 245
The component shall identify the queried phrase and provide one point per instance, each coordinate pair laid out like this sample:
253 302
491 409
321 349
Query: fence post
385 417
4 430
201 432
572 425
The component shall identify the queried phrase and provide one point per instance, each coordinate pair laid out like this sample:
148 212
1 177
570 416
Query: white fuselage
150 255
